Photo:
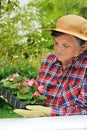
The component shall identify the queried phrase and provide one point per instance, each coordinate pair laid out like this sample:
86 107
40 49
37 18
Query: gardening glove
3 98
34 111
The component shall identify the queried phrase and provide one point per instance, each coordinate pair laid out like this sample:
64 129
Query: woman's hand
34 111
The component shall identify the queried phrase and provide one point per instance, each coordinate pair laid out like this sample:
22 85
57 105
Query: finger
21 112
26 113
31 107
28 107
34 107
4 98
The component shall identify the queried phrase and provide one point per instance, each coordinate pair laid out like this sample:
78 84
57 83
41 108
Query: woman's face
66 47
86 45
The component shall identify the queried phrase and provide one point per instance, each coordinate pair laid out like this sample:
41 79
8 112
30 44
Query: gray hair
56 33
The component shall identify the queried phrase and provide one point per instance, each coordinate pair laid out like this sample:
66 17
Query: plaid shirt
66 90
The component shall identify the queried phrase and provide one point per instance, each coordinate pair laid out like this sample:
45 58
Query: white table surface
45 123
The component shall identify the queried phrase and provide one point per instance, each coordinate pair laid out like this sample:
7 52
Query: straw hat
74 25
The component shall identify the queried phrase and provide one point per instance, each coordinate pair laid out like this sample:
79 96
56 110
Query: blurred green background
23 43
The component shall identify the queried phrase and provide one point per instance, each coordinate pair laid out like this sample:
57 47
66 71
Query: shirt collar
77 60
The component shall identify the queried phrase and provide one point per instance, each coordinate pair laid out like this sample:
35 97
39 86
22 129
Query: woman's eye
65 45
56 43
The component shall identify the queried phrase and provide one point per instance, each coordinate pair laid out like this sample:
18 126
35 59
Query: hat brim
79 35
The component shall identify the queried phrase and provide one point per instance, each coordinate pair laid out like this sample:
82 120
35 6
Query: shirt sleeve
80 107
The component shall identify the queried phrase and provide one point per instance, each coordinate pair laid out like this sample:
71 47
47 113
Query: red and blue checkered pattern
66 90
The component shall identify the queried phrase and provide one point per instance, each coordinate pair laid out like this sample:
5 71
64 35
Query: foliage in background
23 44
20 35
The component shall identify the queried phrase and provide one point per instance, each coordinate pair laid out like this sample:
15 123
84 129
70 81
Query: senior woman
64 72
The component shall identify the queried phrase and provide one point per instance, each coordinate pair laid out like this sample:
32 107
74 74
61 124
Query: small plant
24 89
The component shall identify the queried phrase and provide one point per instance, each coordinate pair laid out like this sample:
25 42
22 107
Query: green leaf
24 96
26 89
18 79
